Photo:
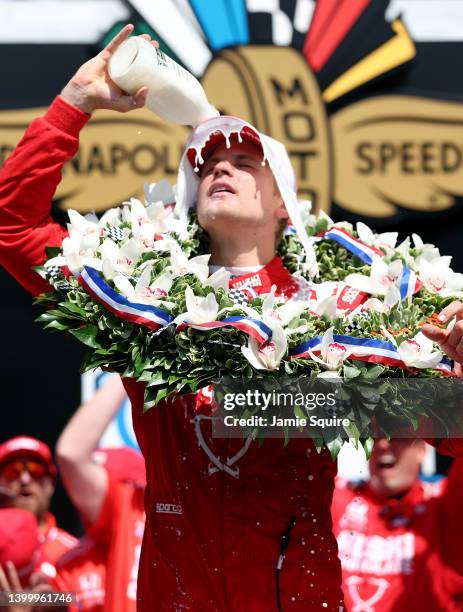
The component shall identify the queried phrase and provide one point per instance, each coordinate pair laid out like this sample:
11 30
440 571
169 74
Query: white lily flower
181 265
268 355
326 307
404 251
301 329
438 277
145 222
166 243
325 299
159 192
345 225
145 235
144 292
281 314
219 279
119 259
78 251
83 225
419 352
199 309
386 240
374 304
332 354
390 299
382 277
427 251
110 217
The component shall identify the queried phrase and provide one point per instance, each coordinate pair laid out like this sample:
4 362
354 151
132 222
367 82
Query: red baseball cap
26 446
213 132
122 463
19 538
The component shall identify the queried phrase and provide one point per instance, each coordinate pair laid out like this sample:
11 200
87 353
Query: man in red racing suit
218 514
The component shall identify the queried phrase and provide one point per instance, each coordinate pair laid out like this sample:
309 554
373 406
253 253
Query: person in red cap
230 525
27 471
19 541
22 564
399 537
107 486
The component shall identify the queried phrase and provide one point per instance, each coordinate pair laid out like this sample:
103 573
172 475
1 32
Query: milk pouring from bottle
174 94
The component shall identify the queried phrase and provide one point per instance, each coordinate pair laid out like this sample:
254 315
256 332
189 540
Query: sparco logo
169 508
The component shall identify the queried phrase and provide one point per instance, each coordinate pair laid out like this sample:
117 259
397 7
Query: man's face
395 465
236 188
29 483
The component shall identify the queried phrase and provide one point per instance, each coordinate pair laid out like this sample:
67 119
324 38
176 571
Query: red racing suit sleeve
101 531
28 181
452 504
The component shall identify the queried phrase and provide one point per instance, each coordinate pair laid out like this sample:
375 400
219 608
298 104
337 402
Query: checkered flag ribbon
63 285
115 233
355 325
53 273
56 278
239 297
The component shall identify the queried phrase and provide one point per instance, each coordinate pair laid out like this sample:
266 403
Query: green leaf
298 412
367 445
87 335
51 252
374 372
350 371
334 446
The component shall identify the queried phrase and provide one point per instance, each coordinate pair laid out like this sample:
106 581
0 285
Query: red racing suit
401 554
216 511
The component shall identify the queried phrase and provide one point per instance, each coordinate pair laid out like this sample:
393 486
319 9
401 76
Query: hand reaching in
450 341
91 87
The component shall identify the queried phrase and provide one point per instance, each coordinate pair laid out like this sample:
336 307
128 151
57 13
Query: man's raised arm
85 480
30 176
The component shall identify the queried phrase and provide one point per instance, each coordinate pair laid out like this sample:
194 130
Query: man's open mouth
386 463
220 188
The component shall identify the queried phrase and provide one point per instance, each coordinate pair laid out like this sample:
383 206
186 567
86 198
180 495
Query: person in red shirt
107 487
400 538
27 471
230 525
82 570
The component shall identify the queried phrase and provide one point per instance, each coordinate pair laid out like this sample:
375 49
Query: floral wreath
134 286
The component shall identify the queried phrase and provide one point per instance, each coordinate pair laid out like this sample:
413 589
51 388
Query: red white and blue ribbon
143 314
379 351
253 327
409 283
446 366
364 251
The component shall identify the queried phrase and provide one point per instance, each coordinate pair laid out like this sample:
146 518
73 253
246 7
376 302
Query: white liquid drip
227 134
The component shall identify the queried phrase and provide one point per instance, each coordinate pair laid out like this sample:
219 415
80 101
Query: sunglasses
12 471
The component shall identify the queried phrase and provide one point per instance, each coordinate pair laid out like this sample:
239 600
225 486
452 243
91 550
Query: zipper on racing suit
283 546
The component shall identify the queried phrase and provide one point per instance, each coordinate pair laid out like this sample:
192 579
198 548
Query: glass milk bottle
174 93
